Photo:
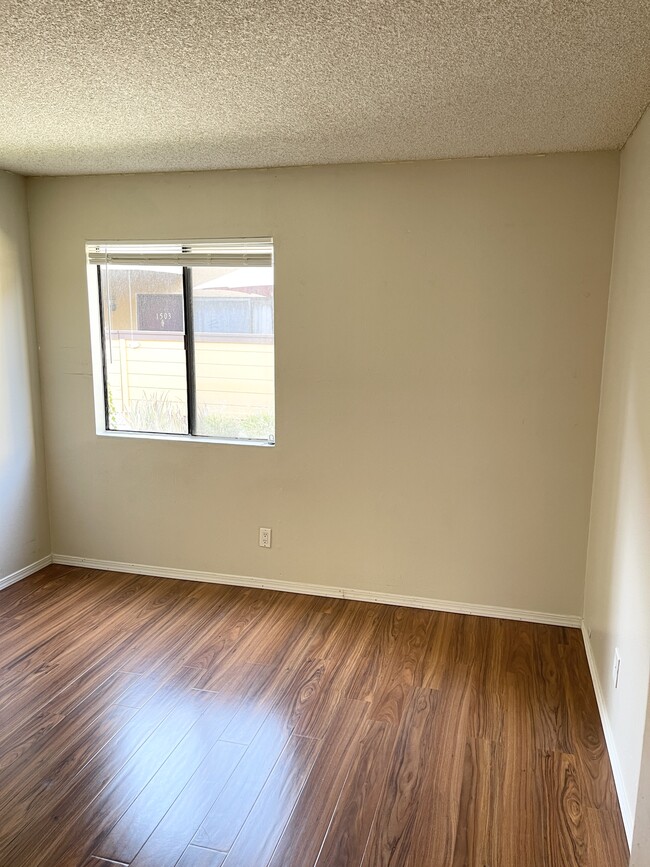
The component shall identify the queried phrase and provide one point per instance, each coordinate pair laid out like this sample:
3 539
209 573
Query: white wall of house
439 334
24 524
617 597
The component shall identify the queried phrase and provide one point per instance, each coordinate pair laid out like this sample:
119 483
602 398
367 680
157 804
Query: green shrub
161 414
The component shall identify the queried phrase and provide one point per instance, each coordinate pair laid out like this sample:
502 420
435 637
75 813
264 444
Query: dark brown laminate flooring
152 722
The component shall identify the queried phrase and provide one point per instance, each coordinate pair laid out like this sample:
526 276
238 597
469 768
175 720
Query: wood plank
25 596
296 681
486 670
59 807
215 643
587 738
172 835
264 687
606 840
94 810
194 856
20 746
221 825
131 831
276 630
101 862
326 732
63 746
266 821
521 817
372 663
441 649
479 832
339 656
348 832
406 671
563 812
393 829
416 821
34 791
303 835
104 649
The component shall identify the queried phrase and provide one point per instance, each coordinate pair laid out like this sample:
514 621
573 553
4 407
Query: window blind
231 253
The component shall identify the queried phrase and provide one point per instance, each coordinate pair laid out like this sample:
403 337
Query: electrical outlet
265 537
616 668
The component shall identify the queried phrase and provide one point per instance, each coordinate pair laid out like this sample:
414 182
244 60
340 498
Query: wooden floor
146 721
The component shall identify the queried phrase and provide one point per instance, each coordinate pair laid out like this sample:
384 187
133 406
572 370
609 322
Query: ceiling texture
96 86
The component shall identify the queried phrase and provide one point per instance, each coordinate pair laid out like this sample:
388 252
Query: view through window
187 342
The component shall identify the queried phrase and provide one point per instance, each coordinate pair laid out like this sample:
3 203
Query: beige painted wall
640 855
617 598
24 525
439 331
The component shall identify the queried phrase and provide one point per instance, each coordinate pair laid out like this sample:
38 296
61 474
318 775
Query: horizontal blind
227 253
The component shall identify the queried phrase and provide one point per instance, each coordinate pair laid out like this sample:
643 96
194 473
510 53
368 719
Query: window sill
181 438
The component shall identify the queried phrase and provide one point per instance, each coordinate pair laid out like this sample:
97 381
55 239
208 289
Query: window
182 337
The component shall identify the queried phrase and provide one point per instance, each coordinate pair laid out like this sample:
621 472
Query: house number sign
160 312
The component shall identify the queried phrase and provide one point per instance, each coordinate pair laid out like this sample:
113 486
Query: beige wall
439 330
617 598
24 526
640 855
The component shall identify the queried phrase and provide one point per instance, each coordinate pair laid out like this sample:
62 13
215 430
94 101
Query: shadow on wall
629 519
617 604
19 460
640 855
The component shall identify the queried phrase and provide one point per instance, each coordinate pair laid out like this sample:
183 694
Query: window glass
234 351
183 337
146 382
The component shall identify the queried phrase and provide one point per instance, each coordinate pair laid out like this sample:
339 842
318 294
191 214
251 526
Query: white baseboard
324 590
23 573
626 810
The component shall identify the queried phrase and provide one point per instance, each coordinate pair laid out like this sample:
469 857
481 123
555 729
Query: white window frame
96 248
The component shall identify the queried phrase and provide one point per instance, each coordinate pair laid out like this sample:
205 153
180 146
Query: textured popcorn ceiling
141 85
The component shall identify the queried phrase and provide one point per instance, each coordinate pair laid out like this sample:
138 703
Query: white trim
626 810
23 573
324 590
98 374
181 438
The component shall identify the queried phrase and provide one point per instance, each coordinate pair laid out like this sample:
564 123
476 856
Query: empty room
325 433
